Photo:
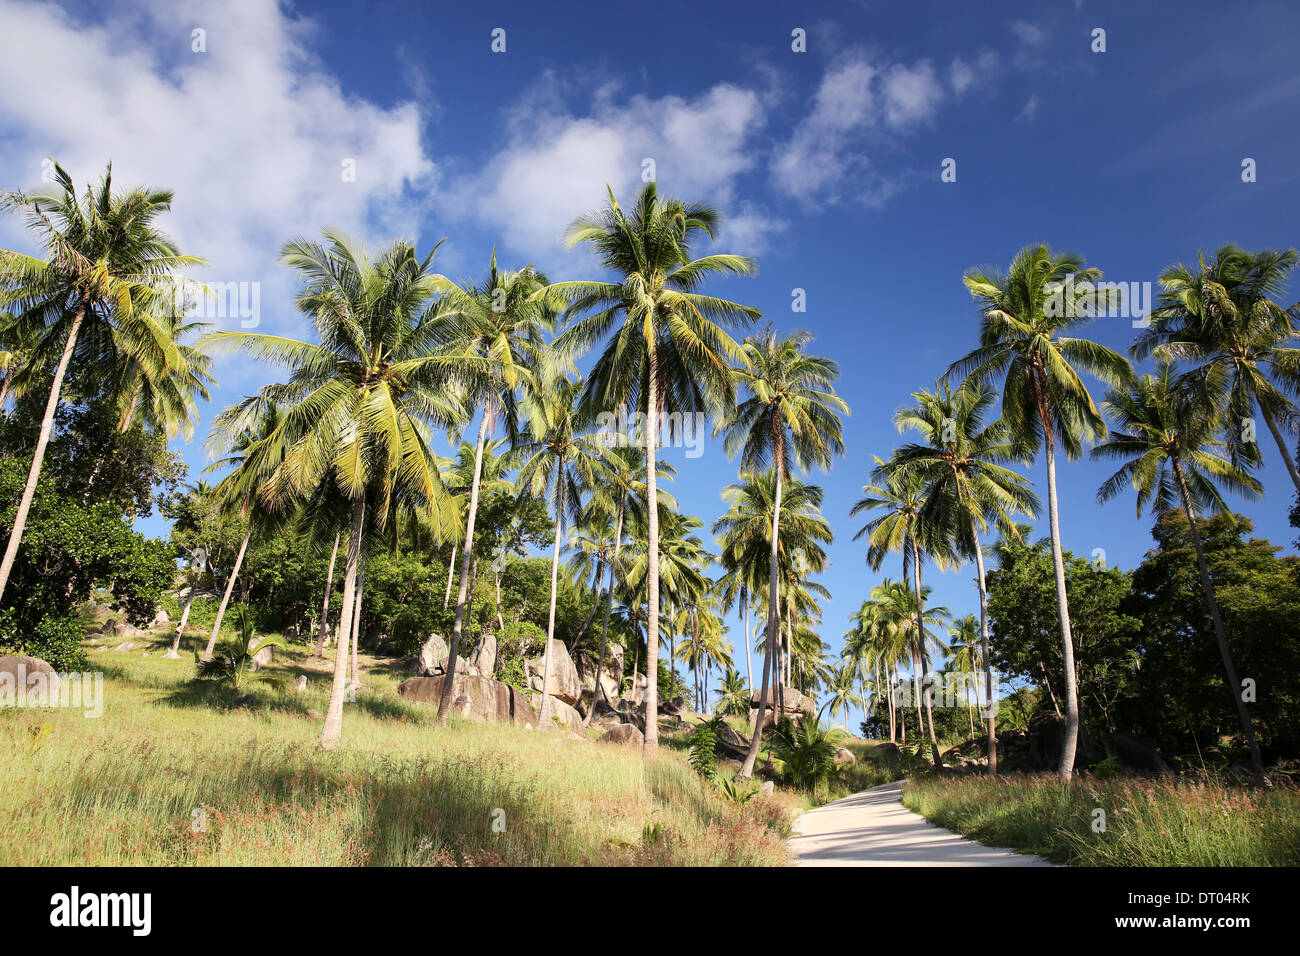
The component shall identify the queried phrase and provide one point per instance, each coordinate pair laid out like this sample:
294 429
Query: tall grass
181 773
1146 822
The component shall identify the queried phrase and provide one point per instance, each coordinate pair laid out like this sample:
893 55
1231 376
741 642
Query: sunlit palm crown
744 532
1029 349
359 403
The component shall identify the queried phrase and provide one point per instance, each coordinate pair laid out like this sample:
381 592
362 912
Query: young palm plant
671 350
1167 441
1026 315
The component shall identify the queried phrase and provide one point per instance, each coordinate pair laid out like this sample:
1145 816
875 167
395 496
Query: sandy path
873 828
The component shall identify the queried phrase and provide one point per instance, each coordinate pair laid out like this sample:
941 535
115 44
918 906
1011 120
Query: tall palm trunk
451 569
355 683
651 746
749 671
1281 446
325 604
595 600
991 742
1212 603
1066 767
773 622
332 731
225 595
923 654
604 629
444 701
555 584
38 456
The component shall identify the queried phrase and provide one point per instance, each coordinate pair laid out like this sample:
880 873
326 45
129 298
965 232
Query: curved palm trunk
1212 603
924 655
991 742
555 583
595 601
332 731
325 604
604 629
225 595
1281 446
773 624
749 671
355 683
38 456
444 700
651 746
175 650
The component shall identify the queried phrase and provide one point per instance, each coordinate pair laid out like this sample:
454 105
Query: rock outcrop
27 681
476 698
564 682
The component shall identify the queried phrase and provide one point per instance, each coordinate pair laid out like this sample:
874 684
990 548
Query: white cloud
965 76
557 162
1030 109
1028 33
855 100
250 135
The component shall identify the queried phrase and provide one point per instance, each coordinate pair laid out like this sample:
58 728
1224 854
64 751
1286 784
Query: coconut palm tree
907 527
624 493
700 620
962 463
360 402
1167 442
501 323
107 271
968 653
843 695
1026 314
790 414
560 461
669 350
745 540
1222 317
495 465
733 695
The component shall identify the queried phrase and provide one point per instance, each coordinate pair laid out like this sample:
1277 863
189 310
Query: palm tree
843 695
745 541
501 323
790 413
495 465
1044 399
961 462
733 695
560 462
969 651
108 271
701 621
906 526
1222 314
359 403
255 448
624 493
671 351
1166 439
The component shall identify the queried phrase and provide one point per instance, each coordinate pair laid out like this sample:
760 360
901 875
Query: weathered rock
626 734
263 657
564 681
431 659
844 756
125 646
888 749
483 659
636 693
27 681
161 619
675 708
731 743
558 712
795 702
611 675
477 698
300 683
767 787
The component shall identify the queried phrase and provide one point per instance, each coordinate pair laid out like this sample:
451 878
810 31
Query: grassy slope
121 789
1148 822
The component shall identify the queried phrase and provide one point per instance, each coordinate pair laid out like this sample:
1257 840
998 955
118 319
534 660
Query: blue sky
826 163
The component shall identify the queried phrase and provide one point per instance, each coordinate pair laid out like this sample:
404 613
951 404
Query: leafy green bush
805 752
704 741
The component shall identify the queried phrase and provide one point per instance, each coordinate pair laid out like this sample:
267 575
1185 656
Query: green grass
1147 822
123 788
